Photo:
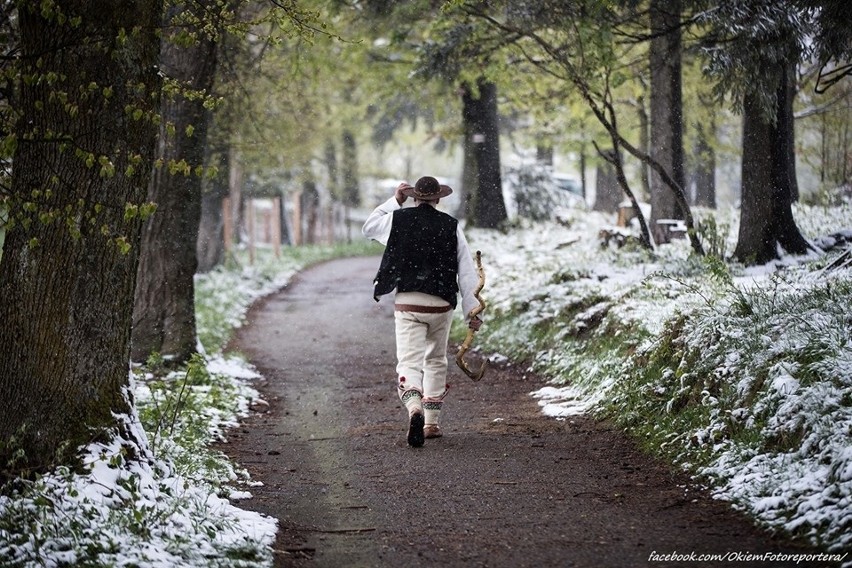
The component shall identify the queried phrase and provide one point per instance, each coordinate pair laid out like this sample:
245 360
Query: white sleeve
378 224
468 277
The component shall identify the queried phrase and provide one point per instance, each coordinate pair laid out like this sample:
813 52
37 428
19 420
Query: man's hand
401 197
475 323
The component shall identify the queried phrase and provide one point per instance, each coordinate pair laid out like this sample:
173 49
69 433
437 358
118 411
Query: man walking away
428 262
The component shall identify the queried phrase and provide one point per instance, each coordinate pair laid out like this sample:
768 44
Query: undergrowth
170 504
743 380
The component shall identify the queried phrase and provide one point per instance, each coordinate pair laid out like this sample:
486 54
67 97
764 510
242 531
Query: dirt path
504 487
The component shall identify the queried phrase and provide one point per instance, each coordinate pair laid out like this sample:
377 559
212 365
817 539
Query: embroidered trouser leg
421 352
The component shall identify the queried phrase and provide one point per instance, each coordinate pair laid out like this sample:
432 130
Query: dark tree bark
608 193
164 310
766 216
488 206
470 175
69 264
583 180
544 154
330 154
310 210
705 166
349 173
790 89
210 248
666 112
644 144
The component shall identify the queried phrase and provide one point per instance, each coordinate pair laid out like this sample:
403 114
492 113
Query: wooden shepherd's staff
475 375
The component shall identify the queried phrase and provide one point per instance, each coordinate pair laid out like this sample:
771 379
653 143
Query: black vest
421 254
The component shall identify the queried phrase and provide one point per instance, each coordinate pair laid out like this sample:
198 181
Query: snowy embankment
742 377
158 495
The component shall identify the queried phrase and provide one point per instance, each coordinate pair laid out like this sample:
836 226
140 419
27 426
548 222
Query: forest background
136 139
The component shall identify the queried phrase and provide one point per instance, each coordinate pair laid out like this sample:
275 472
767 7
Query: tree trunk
705 166
615 157
766 215
544 154
164 310
607 190
330 154
351 194
666 112
489 209
235 195
789 136
644 144
69 264
583 180
470 175
310 202
210 248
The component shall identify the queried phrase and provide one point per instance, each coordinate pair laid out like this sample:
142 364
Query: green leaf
131 210
147 209
9 145
122 244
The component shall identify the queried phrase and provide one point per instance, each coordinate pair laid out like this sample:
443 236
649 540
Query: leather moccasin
415 430
432 431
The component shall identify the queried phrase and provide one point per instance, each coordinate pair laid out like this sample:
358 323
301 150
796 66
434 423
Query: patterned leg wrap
432 411
413 401
432 407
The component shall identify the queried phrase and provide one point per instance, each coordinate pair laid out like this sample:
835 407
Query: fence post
276 226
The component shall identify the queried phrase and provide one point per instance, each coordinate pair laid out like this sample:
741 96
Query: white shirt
378 227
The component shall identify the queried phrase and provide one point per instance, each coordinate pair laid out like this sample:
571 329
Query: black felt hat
427 188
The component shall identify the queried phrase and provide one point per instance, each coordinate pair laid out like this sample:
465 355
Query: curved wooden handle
478 309
475 375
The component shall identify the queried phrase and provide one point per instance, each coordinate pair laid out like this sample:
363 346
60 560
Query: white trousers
421 353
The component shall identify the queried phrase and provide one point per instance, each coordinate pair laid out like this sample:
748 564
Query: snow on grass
786 403
741 376
158 495
138 503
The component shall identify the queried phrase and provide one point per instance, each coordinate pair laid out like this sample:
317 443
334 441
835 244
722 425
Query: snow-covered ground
747 373
740 376
144 499
158 495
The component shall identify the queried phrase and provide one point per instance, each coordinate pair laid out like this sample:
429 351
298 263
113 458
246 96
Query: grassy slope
741 377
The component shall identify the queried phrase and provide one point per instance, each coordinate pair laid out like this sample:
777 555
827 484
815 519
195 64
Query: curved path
505 486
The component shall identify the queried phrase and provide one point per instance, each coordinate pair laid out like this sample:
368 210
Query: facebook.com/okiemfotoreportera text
739 556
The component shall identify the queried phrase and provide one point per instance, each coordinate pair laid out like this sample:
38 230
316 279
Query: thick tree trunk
69 265
766 216
666 112
489 208
164 310
210 248
789 135
470 175
705 167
